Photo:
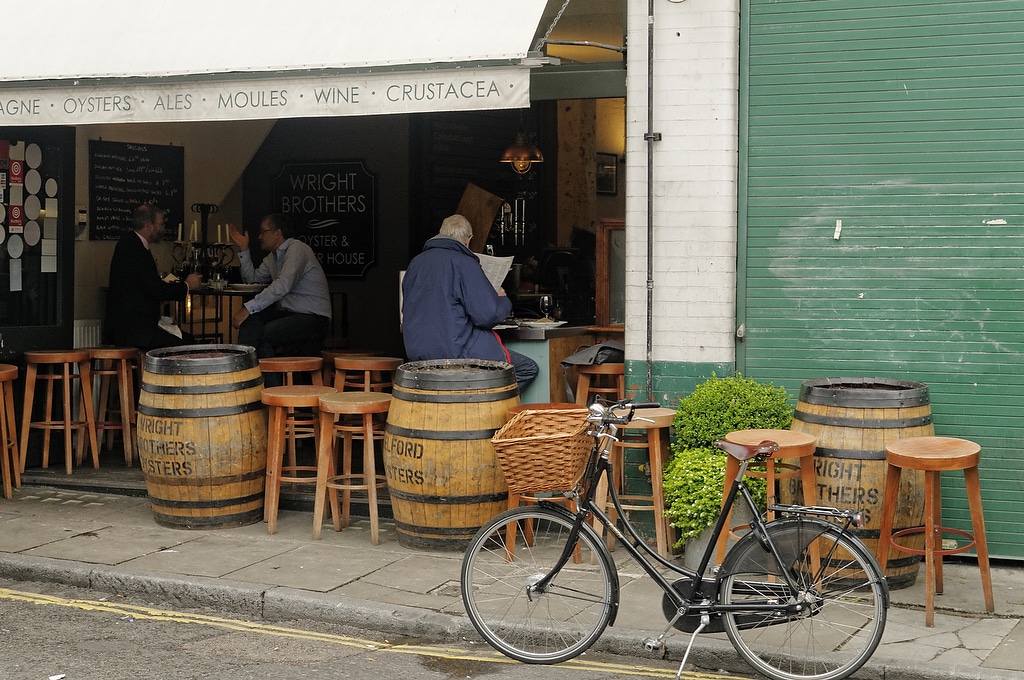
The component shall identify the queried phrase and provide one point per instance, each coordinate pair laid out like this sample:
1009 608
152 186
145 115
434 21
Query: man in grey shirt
294 310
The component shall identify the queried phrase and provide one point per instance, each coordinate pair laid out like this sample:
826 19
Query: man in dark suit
136 289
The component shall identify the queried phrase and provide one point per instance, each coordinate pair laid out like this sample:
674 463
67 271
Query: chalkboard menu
124 175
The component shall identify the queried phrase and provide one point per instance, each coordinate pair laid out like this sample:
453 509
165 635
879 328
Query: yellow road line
152 614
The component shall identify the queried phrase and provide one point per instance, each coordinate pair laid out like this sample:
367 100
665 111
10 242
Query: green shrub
695 474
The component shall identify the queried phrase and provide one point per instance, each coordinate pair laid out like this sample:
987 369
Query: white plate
246 287
542 324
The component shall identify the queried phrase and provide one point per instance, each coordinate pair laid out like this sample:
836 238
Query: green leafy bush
695 474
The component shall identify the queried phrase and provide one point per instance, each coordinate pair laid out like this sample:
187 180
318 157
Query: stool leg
324 452
658 444
11 423
973 485
892 489
346 471
5 457
510 529
125 394
732 468
937 529
370 474
66 401
85 370
275 459
26 413
929 548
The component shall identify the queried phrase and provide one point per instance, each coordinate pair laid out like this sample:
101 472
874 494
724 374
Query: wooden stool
933 455
10 462
328 482
283 401
792 444
57 366
365 373
119 364
330 354
308 370
515 499
655 439
600 380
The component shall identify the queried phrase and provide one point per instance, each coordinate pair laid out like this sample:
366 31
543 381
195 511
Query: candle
179 232
220 233
194 236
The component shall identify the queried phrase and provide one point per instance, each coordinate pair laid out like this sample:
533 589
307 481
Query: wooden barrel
443 476
853 419
202 436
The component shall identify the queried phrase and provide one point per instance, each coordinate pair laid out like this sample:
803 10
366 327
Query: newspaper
496 268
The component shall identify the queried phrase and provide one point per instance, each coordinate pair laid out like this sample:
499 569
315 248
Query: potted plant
695 474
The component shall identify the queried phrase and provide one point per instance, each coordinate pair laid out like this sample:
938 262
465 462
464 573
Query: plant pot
694 548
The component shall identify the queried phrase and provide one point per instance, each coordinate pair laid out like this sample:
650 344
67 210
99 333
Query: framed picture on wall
607 173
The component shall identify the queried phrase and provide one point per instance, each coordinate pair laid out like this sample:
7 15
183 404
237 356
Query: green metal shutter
906 122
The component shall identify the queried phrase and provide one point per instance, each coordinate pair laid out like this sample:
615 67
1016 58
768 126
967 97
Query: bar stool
282 401
328 482
654 437
57 365
792 445
365 373
330 354
116 364
10 462
600 380
517 498
933 455
295 370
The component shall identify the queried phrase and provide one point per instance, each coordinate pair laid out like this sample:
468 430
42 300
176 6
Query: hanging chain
540 42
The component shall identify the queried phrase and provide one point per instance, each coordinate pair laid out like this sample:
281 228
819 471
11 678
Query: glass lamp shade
521 156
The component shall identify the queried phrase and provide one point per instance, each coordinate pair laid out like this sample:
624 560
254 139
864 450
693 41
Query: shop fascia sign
464 89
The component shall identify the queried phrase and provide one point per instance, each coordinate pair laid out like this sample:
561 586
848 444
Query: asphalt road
52 632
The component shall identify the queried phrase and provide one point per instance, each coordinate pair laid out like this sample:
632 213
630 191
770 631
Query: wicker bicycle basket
543 450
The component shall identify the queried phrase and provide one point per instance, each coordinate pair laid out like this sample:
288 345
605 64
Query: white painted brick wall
695 187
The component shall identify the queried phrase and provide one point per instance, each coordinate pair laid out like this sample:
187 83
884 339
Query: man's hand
239 238
239 317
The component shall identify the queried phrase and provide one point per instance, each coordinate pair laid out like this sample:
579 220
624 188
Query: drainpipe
650 137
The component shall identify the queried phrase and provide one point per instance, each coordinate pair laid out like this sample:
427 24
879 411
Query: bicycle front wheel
551 625
840 605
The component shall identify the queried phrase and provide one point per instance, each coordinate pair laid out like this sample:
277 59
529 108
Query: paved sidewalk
109 543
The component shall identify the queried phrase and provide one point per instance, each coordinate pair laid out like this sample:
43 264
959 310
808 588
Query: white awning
73 62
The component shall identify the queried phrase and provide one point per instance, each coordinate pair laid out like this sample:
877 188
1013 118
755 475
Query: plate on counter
246 287
542 324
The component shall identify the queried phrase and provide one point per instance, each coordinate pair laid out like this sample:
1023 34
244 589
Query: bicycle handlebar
605 413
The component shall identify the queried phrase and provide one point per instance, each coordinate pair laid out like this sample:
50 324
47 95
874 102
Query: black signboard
334 208
123 176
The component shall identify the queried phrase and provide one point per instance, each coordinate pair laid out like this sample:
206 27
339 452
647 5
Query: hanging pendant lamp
522 155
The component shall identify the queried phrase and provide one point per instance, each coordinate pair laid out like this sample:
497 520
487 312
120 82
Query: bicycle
799 597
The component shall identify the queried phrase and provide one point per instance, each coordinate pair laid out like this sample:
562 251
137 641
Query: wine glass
546 305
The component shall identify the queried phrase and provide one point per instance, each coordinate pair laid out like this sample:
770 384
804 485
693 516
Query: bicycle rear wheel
549 626
842 594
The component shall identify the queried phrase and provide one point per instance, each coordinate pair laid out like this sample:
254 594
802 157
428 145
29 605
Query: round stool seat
294 396
113 353
792 444
56 356
291 364
366 373
355 403
933 453
8 372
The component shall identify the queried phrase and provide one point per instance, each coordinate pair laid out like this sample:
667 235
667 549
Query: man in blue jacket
449 308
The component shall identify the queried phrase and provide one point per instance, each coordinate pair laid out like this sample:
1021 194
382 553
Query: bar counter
547 346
